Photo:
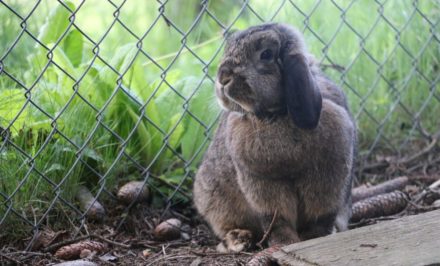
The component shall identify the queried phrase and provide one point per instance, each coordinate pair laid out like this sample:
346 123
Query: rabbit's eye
266 55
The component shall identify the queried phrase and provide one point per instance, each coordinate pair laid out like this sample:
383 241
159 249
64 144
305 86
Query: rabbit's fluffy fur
285 144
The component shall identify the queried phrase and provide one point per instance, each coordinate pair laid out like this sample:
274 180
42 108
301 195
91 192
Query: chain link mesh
103 92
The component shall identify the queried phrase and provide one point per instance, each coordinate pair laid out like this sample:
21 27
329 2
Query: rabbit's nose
224 75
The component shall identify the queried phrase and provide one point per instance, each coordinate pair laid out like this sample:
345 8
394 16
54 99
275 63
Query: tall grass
86 112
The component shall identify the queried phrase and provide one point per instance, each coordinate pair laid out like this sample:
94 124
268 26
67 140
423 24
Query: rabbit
280 163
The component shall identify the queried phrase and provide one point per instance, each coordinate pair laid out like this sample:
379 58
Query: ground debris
46 237
134 243
364 192
75 250
264 257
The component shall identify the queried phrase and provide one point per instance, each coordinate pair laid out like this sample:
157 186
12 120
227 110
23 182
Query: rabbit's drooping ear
303 98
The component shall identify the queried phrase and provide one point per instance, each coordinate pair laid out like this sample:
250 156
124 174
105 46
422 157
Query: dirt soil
134 243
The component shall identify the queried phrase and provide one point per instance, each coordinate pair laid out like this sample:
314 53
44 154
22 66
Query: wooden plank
411 240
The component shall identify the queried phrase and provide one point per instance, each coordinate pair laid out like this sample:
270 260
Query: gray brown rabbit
284 148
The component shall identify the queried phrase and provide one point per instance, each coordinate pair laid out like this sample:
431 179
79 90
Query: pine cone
380 205
73 251
87 202
134 190
168 230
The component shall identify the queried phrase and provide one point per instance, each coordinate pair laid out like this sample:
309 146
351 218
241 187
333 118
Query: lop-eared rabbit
283 153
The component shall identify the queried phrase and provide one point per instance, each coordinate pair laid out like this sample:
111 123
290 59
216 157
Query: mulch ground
134 243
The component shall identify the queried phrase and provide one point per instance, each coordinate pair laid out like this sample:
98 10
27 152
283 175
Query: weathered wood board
411 240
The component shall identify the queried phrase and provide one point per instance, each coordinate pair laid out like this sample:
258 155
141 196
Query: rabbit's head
265 72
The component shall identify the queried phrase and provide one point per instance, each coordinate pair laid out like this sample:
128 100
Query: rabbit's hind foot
236 240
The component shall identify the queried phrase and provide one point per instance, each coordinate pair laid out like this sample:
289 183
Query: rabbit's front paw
235 241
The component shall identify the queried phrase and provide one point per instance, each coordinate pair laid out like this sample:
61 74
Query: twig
27 253
426 150
427 196
181 216
374 166
425 164
435 185
111 242
431 189
368 245
63 243
30 255
269 229
71 241
427 179
405 161
170 244
170 257
216 254
363 192
369 221
10 259
414 207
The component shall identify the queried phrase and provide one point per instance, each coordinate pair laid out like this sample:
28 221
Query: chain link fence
98 93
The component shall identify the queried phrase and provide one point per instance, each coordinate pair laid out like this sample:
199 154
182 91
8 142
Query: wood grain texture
411 240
